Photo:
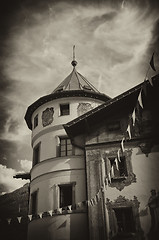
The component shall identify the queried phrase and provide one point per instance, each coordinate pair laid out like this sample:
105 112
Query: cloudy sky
114 42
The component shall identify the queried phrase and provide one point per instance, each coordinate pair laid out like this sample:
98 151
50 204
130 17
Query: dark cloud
8 154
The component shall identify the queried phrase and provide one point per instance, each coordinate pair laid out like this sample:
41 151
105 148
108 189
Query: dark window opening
36 121
34 203
65 147
66 195
36 154
114 126
119 168
64 109
125 220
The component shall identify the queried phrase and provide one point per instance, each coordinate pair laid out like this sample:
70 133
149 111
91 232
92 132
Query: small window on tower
34 202
36 154
65 147
64 109
36 121
66 195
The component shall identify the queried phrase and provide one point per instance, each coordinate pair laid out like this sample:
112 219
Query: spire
75 81
74 62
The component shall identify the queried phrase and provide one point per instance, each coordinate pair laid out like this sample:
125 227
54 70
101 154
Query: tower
58 176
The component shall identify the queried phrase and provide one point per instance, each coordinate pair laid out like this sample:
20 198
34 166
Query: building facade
58 176
121 153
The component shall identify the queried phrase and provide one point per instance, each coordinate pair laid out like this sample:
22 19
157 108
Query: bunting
122 145
19 219
9 220
50 212
116 163
140 99
129 131
118 155
30 217
133 117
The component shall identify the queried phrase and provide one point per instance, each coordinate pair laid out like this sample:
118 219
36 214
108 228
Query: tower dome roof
75 81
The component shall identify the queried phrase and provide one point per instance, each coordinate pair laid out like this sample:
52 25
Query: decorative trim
122 202
122 182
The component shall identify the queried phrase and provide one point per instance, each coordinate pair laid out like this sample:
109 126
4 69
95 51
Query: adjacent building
121 144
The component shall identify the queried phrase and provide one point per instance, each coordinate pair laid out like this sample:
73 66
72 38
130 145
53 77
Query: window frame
36 159
34 206
123 202
36 121
123 181
65 146
72 184
64 112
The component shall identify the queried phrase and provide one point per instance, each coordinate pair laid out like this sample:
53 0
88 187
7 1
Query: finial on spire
74 62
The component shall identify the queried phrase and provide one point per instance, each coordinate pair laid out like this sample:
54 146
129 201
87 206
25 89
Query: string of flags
93 201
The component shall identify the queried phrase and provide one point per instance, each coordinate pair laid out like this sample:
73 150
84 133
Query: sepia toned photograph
79 119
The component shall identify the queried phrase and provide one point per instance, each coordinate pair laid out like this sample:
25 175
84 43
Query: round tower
58 179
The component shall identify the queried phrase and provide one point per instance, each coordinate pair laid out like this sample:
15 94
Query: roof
75 81
74 85
125 102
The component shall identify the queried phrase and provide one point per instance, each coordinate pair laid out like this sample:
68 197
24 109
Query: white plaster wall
49 142
58 120
58 164
47 197
62 227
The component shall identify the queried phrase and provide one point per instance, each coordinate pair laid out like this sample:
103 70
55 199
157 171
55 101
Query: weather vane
74 62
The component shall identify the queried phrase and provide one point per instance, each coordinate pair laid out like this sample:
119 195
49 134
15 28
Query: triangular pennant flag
133 117
108 166
50 212
59 210
122 145
109 177
79 204
150 80
118 154
40 215
91 202
140 99
9 220
88 202
19 219
112 172
116 163
98 196
70 207
129 131
30 217
152 62
95 199
106 181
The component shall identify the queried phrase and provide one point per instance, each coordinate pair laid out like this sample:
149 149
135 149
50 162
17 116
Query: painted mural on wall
47 116
83 108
